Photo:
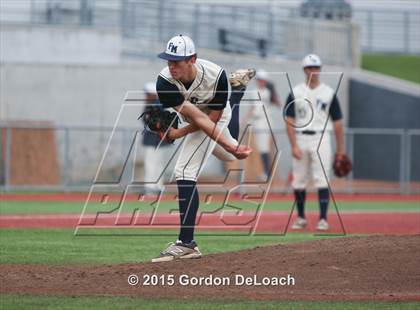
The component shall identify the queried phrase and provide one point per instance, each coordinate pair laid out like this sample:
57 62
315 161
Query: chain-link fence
385 161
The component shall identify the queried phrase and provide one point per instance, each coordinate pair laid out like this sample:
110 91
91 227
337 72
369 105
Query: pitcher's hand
240 151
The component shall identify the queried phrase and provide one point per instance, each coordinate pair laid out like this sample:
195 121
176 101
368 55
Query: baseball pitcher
198 90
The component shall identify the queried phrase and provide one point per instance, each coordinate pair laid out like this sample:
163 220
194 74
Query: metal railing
80 150
382 30
87 13
271 24
389 31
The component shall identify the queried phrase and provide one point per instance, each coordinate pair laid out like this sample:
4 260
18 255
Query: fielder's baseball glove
342 165
159 121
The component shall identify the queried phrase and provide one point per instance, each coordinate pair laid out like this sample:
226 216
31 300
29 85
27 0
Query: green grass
66 303
400 66
32 207
60 246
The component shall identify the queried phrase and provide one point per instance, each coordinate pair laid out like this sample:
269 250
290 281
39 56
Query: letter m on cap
172 47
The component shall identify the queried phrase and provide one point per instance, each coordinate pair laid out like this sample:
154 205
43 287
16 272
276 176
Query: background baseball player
198 90
308 108
154 159
259 119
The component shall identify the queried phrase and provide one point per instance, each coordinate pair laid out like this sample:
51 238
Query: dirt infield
267 222
359 268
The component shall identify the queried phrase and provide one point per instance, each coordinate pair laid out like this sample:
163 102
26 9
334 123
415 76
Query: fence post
370 30
132 25
350 142
406 31
8 158
66 159
123 18
308 36
350 47
196 24
85 14
32 10
234 16
160 19
402 161
408 163
271 31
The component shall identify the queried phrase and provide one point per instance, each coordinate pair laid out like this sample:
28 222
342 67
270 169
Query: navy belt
307 132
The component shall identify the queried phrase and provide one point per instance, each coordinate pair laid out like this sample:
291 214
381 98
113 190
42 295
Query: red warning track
267 222
81 197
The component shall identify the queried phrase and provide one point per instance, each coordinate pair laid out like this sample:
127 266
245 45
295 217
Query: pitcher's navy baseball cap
178 48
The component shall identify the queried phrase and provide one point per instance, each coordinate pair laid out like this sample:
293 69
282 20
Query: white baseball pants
309 166
198 147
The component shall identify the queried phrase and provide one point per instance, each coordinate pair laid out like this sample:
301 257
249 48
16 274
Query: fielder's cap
311 60
262 75
178 48
150 88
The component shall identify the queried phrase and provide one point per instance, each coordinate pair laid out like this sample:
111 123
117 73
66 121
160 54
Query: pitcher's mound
357 268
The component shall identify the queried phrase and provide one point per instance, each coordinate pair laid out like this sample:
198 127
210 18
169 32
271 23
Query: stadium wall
52 44
378 101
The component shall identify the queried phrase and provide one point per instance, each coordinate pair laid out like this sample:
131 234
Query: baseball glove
342 165
159 121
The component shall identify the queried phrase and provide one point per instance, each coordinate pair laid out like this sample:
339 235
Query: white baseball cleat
241 77
322 225
178 250
300 223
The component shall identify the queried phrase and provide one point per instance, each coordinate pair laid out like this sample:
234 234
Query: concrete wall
377 101
67 94
74 94
52 44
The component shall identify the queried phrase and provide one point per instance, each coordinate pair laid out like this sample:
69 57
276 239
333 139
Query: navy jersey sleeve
335 110
290 106
220 98
169 94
